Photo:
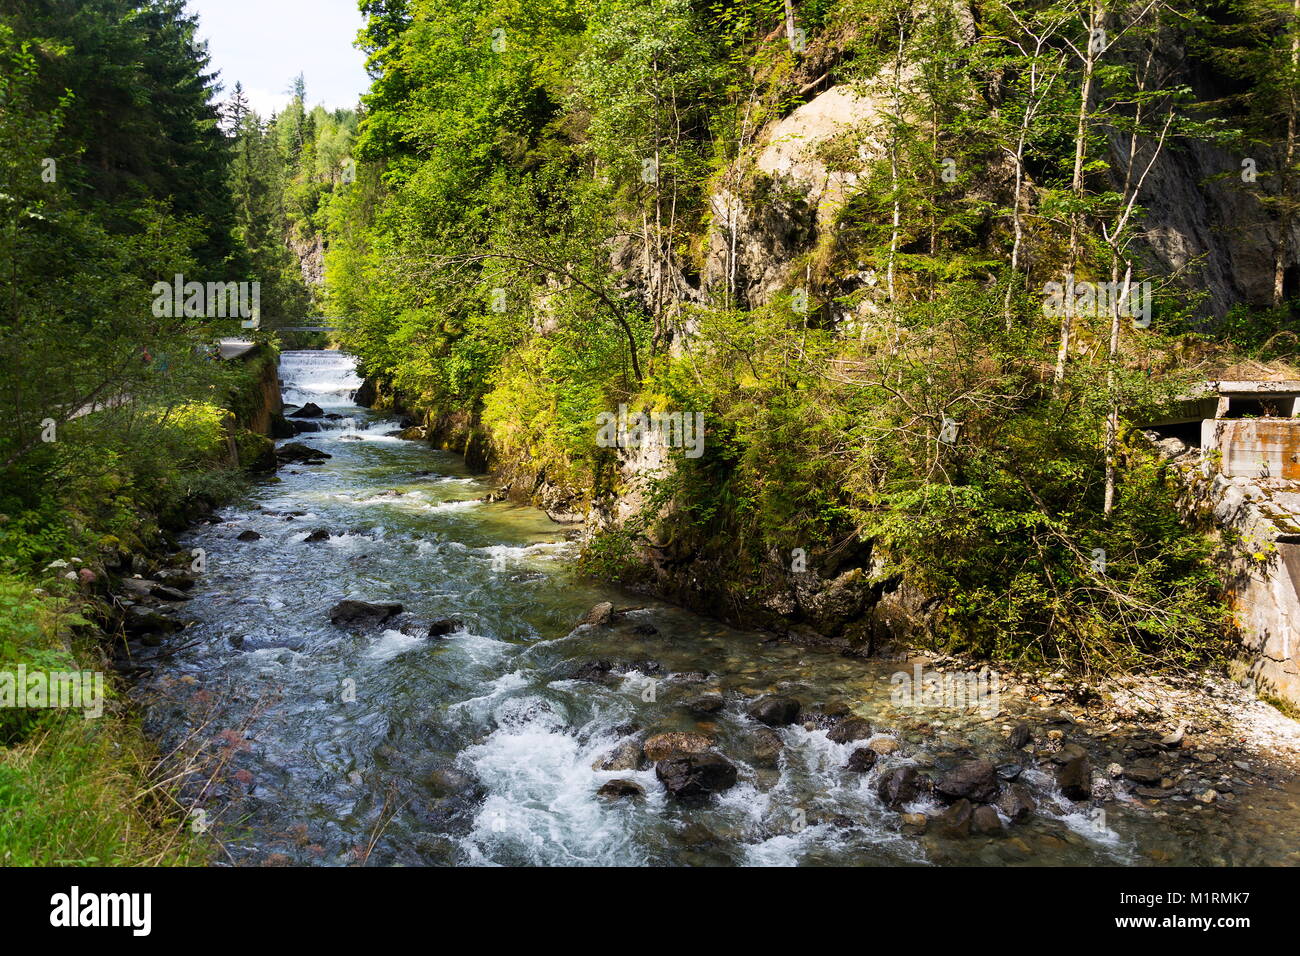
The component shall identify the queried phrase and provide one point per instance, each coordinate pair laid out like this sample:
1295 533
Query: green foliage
538 233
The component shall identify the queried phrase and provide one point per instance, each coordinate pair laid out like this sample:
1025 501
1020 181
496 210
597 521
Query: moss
256 452
1285 707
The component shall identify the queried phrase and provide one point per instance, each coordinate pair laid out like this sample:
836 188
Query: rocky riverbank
1169 749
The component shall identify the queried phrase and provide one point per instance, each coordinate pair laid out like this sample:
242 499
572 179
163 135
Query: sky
264 44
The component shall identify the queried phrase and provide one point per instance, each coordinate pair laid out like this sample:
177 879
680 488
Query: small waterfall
327 378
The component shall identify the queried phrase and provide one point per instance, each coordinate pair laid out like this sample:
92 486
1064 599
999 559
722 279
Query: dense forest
908 263
566 208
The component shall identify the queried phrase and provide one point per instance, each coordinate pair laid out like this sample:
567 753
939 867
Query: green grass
77 791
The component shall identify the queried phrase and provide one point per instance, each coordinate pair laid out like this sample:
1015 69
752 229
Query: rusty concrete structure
1237 443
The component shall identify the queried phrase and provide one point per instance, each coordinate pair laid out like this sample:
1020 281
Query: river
337 745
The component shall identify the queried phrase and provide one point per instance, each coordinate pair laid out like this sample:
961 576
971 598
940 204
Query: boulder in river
957 819
767 747
248 536
706 704
861 760
662 746
975 780
596 671
299 428
599 616
774 711
444 627
296 451
621 788
1143 771
145 620
363 612
985 820
366 395
626 756
1017 802
320 534
310 410
692 777
899 786
1018 737
849 730
1075 778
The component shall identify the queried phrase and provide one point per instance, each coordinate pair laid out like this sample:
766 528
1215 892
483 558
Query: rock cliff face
310 253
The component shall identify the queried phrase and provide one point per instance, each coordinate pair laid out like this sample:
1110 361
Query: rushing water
336 745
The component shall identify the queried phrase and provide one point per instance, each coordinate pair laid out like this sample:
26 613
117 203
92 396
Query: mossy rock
256 452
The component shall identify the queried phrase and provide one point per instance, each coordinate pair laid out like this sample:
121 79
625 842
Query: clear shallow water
334 745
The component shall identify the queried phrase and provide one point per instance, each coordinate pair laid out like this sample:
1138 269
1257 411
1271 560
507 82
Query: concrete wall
1262 519
1254 447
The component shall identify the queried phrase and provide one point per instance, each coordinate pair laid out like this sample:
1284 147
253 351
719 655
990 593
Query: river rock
849 730
145 620
1075 778
663 746
310 410
691 677
626 756
443 627
248 536
621 788
956 820
692 777
1019 736
1009 771
299 428
177 579
1143 771
595 671
320 534
1017 802
299 453
363 612
1068 752
985 820
899 786
975 780
767 747
706 704
599 616
366 395
774 711
861 760
883 745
